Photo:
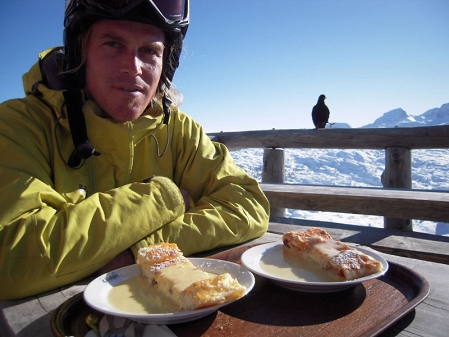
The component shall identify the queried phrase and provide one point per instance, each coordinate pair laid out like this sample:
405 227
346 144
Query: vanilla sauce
137 296
285 264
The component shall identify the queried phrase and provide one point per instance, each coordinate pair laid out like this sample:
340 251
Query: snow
361 168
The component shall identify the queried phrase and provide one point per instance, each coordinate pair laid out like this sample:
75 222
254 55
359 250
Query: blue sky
261 64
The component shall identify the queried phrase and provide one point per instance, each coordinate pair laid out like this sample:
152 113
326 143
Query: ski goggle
172 12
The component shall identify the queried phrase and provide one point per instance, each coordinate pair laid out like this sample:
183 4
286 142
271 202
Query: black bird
320 113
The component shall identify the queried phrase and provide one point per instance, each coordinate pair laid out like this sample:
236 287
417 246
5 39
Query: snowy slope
361 168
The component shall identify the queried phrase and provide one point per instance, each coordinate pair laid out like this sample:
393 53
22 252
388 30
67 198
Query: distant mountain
400 118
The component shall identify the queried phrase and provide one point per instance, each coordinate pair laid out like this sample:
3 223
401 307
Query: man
97 163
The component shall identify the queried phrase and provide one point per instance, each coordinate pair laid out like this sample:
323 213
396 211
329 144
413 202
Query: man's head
124 62
171 17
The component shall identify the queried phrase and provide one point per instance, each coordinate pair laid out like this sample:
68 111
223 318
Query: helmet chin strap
83 148
166 103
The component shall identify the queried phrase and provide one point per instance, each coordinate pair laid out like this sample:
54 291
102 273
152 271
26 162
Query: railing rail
430 137
397 203
397 143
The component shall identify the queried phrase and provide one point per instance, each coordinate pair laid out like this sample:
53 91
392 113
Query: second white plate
267 260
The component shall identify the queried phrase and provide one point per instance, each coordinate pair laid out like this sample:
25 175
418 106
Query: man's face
123 66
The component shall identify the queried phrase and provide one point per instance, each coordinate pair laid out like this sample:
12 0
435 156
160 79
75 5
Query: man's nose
131 64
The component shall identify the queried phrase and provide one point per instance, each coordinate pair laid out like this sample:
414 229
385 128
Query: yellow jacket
59 224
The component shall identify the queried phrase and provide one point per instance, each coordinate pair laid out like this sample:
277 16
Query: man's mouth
130 89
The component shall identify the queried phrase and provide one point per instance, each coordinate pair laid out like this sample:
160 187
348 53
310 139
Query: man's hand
184 193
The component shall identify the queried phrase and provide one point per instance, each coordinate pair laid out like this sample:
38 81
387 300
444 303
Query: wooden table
31 316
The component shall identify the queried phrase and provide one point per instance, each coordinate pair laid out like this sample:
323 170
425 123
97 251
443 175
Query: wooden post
274 172
398 174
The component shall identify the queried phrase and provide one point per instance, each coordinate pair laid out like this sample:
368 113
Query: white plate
96 292
267 260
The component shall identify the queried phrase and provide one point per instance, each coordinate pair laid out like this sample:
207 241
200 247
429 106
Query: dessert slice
317 246
191 288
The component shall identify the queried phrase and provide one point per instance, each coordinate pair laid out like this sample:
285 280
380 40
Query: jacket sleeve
228 205
54 243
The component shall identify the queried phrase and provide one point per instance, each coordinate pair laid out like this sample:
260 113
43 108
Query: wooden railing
397 201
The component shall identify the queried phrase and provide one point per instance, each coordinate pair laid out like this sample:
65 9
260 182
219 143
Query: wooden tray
269 310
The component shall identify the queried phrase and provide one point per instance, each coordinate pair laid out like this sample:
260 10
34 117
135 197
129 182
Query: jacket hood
46 70
43 80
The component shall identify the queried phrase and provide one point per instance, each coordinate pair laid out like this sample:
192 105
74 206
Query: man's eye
155 50
149 50
112 43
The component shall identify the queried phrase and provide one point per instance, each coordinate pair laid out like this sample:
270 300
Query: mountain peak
399 118
392 115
